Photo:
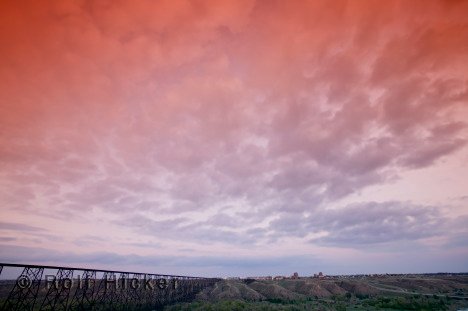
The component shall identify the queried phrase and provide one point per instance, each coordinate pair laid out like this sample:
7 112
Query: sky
235 138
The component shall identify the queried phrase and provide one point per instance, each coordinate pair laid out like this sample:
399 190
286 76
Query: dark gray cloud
184 229
19 227
457 233
7 239
365 224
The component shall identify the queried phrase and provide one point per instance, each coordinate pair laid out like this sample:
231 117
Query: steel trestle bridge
34 287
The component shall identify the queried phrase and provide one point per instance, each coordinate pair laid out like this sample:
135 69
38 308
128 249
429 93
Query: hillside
368 293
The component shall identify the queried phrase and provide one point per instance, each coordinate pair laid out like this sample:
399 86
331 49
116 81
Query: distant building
295 276
261 278
279 277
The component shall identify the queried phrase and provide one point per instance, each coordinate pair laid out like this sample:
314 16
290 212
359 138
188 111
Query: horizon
11 271
235 138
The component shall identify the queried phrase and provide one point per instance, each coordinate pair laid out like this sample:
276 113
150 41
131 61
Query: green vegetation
408 303
338 303
244 305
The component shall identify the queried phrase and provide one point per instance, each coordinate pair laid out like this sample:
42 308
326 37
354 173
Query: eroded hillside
324 288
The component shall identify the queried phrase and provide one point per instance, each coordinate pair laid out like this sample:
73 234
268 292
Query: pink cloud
225 115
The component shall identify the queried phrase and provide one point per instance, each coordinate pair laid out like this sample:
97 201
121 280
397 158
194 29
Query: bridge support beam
24 293
58 291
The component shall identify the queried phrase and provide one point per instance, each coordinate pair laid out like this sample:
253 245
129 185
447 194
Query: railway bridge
35 287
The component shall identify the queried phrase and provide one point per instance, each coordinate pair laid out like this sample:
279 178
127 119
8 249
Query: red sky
235 137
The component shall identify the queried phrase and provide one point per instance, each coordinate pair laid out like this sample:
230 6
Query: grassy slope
339 294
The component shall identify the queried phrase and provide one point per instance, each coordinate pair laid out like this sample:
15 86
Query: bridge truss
33 287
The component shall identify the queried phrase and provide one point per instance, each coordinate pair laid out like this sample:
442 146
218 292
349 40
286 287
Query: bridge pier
24 292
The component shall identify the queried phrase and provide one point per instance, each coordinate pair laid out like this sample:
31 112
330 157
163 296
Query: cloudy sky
235 137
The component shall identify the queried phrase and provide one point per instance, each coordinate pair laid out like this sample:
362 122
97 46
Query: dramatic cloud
377 223
259 128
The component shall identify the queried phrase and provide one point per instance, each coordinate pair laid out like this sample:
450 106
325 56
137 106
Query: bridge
34 287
